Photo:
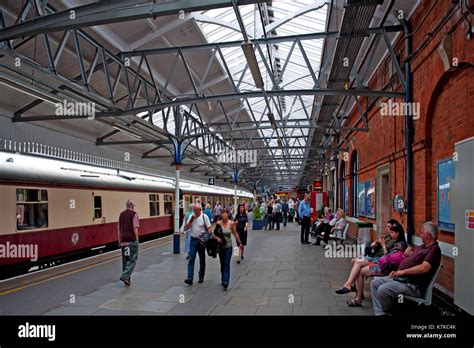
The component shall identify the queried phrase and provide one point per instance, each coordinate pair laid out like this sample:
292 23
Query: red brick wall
445 97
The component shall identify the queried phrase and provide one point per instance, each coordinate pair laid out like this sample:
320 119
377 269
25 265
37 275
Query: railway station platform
278 276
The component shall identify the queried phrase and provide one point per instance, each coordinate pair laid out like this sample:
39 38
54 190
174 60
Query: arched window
355 183
342 186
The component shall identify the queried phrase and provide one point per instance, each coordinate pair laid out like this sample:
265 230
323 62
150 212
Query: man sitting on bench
413 275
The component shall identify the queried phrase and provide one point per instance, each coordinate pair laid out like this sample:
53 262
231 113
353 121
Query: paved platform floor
278 276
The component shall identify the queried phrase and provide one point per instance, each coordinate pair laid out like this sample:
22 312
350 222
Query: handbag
205 236
391 261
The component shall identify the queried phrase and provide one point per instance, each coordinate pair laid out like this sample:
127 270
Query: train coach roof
32 169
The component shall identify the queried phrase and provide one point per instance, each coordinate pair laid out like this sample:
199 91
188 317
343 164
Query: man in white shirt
199 224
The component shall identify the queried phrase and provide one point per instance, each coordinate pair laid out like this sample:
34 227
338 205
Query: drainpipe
409 132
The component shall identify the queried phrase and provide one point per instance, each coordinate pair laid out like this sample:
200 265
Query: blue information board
370 199
445 177
361 207
346 198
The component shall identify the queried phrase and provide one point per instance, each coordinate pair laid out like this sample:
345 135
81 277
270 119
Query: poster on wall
445 178
346 198
370 199
361 207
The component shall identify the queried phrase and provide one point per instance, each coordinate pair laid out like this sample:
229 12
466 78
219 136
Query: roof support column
179 146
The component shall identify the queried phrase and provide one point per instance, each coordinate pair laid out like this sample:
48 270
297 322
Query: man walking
277 214
304 213
199 224
128 240
285 210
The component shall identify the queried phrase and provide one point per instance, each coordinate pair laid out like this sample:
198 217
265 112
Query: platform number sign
212 181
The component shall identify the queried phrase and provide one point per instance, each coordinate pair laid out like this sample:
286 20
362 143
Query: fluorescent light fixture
127 131
30 92
249 54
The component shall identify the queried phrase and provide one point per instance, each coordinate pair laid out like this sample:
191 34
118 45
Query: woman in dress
241 223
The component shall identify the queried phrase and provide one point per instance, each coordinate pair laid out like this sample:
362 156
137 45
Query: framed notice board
370 199
446 177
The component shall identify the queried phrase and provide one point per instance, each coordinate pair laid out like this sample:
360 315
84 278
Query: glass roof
288 68
290 71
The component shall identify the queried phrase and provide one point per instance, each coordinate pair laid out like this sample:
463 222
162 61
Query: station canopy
185 81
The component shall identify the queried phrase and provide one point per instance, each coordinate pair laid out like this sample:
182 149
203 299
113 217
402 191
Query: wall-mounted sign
469 219
398 203
370 198
211 181
445 178
284 188
318 186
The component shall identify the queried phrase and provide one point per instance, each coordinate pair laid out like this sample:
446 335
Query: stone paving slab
274 310
139 305
85 301
71 310
234 310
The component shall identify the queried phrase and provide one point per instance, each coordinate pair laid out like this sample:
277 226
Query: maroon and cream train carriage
65 208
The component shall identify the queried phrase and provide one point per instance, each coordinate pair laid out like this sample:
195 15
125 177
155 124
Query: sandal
353 303
343 290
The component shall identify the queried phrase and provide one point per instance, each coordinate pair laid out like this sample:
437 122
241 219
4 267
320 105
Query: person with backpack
200 226
223 231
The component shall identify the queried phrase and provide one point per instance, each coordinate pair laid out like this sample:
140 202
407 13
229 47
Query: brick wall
445 98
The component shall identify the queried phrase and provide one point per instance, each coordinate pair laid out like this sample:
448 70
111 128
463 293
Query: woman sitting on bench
336 225
323 221
369 266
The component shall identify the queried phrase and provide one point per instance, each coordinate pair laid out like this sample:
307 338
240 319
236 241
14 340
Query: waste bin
363 236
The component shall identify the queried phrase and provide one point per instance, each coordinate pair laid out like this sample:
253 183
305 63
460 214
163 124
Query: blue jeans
187 242
285 218
196 247
225 255
129 259
385 292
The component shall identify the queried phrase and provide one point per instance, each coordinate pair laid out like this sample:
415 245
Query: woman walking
222 232
241 223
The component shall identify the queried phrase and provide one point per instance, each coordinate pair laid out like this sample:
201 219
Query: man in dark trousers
128 240
285 208
304 212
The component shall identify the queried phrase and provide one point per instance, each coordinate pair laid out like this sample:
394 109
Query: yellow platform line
6 292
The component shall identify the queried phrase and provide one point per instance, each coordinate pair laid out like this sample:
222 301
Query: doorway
383 199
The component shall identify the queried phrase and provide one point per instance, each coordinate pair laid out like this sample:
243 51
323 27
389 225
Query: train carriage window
154 205
31 209
97 207
168 199
187 202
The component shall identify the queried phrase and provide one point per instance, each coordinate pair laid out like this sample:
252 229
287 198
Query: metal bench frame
340 238
428 295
